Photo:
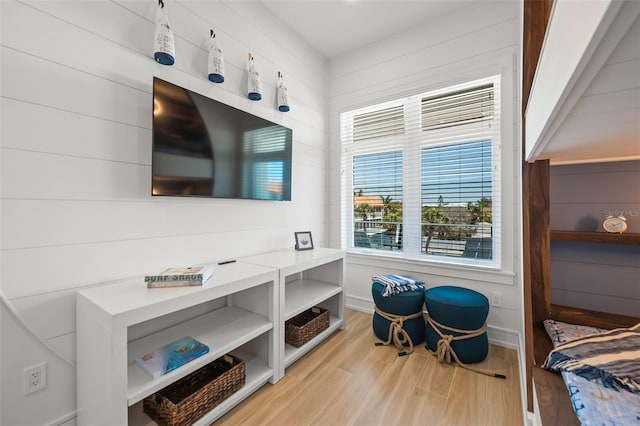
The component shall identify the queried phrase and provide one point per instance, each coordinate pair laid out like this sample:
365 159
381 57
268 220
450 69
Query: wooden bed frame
553 398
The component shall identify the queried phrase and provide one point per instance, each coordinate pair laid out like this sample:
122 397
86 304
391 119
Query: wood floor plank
501 408
255 411
421 408
437 377
372 412
347 380
315 398
467 399
342 407
405 383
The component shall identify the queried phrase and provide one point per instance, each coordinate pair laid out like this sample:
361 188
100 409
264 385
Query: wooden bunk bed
546 103
554 404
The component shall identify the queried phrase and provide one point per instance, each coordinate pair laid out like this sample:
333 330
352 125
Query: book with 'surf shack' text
180 277
172 356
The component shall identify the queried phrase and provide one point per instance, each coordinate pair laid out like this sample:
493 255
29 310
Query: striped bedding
593 403
611 358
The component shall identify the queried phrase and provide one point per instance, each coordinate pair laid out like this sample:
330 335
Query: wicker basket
306 325
193 396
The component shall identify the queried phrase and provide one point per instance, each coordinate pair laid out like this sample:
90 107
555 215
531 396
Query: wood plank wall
474 42
595 275
77 210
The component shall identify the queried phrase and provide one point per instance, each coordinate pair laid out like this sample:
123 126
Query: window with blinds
456 193
421 176
377 200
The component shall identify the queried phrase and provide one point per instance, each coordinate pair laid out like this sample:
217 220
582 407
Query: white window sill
431 267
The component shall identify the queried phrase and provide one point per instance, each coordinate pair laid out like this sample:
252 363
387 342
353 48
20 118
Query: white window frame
411 144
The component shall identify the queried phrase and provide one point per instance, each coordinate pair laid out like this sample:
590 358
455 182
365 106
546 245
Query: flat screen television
205 148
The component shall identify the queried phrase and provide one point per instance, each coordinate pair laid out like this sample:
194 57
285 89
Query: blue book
172 356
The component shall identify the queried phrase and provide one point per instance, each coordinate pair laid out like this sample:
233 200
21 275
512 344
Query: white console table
241 310
307 278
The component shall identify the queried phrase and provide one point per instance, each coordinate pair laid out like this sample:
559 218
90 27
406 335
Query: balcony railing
450 239
377 234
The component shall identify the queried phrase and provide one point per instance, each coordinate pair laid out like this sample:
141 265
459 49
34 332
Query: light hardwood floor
349 381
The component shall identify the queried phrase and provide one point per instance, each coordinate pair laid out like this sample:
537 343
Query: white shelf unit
236 311
307 278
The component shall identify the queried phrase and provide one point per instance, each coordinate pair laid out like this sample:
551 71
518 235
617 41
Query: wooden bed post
536 256
535 21
539 246
528 317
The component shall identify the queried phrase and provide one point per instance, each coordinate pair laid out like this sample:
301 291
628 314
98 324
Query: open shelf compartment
222 331
303 294
292 354
257 372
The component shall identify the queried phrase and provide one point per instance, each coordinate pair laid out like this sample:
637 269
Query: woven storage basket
306 325
193 396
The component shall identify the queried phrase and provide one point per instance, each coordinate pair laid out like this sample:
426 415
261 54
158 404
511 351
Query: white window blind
457 108
456 194
389 121
377 200
421 176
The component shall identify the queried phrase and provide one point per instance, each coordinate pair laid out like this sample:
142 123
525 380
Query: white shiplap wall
76 164
475 42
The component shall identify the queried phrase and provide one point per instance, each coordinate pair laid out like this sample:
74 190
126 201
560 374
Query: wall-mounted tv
204 148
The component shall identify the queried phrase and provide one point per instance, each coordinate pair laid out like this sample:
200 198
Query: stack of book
180 277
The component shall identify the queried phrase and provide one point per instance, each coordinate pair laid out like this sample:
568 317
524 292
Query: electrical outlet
496 299
35 378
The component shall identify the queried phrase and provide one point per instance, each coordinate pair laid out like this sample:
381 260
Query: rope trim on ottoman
444 351
396 331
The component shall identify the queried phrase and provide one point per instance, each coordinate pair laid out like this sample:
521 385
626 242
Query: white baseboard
503 337
359 304
70 419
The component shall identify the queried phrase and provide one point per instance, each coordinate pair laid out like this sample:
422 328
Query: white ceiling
335 27
604 125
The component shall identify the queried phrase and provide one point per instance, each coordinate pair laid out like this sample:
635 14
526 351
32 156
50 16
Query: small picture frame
304 240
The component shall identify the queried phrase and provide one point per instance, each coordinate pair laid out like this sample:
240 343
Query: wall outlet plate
496 299
35 378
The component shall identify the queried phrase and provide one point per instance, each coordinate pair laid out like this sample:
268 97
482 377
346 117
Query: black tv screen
204 148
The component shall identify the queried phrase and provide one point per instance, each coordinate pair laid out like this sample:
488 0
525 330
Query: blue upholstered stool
406 304
461 309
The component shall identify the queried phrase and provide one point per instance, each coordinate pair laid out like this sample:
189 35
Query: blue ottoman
408 303
462 309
